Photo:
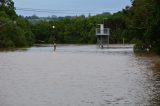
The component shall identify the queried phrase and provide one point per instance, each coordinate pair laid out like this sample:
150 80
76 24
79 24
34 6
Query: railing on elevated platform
105 31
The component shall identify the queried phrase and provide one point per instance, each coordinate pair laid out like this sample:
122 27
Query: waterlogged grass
156 66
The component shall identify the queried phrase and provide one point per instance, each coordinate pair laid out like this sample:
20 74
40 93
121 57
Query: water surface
78 76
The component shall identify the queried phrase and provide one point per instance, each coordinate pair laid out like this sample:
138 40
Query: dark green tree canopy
14 30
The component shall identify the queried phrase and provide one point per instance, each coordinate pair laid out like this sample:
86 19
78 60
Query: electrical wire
62 11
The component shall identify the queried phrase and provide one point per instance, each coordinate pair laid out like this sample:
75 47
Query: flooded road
78 76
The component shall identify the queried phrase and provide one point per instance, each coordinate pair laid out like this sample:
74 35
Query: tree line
15 31
138 24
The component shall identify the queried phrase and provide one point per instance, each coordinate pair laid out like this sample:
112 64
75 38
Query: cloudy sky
68 7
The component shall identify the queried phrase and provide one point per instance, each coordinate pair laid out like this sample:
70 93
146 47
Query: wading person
54 45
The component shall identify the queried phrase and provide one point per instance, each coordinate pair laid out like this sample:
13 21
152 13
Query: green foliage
67 30
14 30
137 24
8 7
147 21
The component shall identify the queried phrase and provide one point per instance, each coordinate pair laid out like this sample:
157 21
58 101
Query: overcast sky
68 7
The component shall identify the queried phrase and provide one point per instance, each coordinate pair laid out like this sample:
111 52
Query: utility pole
54 38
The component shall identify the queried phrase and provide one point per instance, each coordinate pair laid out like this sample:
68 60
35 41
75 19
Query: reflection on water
78 76
152 75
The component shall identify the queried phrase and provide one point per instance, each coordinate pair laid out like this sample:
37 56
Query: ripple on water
77 76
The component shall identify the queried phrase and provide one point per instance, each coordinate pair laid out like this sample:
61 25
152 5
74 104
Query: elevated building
102 35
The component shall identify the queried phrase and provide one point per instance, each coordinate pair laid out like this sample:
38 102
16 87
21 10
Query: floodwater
78 76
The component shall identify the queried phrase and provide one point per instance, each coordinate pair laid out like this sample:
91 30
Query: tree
8 7
15 30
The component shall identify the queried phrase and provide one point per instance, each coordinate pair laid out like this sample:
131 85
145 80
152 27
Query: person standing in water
54 46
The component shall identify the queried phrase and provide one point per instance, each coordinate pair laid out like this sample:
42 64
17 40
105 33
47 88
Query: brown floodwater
78 75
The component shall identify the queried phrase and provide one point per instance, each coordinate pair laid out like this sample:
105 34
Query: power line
54 12
62 11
